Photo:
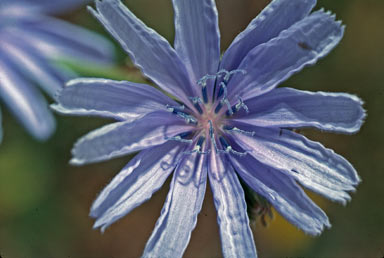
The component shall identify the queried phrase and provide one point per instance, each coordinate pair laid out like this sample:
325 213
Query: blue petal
269 64
148 50
283 193
276 17
116 99
197 37
122 138
217 168
33 65
314 166
286 107
179 214
135 184
236 235
57 39
25 102
50 6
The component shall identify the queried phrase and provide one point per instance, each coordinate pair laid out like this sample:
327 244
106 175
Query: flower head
30 40
227 120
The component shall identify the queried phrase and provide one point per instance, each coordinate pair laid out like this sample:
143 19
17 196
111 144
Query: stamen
188 118
180 138
238 107
178 110
237 130
222 73
223 91
197 148
241 104
218 107
205 94
185 134
233 110
226 101
212 135
175 108
203 83
196 101
200 141
228 148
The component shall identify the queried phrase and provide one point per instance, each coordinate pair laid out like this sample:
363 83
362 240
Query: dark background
44 202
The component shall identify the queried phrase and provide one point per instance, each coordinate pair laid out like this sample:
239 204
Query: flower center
209 117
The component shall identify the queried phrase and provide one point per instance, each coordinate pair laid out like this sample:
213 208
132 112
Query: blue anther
205 94
212 135
180 138
228 127
197 106
211 132
188 118
233 109
174 109
203 83
177 110
200 141
196 102
197 148
218 107
224 100
228 148
223 142
229 108
236 108
221 91
222 73
185 134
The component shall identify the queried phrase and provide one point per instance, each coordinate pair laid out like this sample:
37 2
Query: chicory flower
227 119
30 40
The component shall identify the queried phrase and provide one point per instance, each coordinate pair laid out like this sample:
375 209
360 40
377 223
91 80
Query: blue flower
227 120
30 41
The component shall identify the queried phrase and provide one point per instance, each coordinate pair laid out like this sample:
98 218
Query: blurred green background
44 202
